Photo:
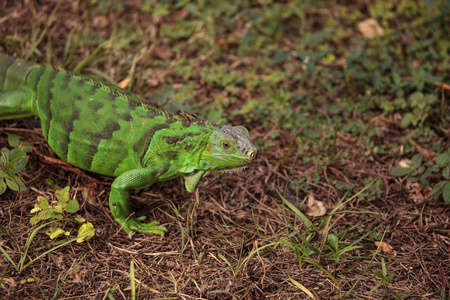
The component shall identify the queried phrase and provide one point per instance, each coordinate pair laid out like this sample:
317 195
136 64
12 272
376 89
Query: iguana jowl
107 130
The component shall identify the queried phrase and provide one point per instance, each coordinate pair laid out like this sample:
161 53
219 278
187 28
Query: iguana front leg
119 198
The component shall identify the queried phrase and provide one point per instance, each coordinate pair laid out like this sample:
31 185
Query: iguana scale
107 130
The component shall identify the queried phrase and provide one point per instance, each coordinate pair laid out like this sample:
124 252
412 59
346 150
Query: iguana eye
225 145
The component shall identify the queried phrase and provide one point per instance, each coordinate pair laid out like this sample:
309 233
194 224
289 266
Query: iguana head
229 149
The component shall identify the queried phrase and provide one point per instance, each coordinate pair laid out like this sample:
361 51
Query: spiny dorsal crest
189 119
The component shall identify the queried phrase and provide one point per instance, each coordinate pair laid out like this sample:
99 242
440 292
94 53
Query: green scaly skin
107 130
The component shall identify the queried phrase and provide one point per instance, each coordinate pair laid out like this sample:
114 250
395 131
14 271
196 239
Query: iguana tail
16 98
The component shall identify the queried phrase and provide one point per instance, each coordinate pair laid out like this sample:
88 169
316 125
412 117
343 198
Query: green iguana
107 130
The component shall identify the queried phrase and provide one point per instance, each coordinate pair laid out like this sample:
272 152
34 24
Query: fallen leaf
78 275
176 86
178 15
124 83
427 154
370 28
287 136
315 208
416 192
9 281
88 194
154 78
163 52
416 63
407 39
386 249
405 163
100 22
153 82
222 43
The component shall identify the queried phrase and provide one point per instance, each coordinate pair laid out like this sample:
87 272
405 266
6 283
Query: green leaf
85 232
446 172
53 232
443 158
446 193
302 54
221 256
424 180
400 171
416 161
430 99
390 277
333 240
377 273
19 163
27 147
383 268
435 168
302 288
58 209
12 184
28 280
16 153
430 3
63 194
35 209
13 140
279 57
396 77
302 216
167 93
5 154
2 186
43 203
427 173
72 206
375 287
415 98
51 183
22 186
310 67
314 38
437 189
349 248
81 220
406 120
34 220
47 214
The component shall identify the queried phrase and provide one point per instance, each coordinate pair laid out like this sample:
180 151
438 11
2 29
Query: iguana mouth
231 169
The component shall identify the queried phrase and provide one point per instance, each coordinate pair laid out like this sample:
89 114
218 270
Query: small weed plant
56 210
11 163
419 171
50 213
384 276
